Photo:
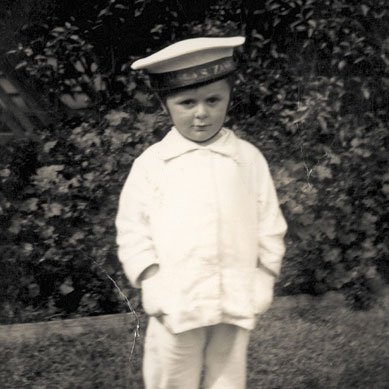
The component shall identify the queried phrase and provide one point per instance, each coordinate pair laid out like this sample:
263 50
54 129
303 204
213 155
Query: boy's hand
151 292
149 272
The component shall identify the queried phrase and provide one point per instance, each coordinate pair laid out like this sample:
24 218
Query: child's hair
163 95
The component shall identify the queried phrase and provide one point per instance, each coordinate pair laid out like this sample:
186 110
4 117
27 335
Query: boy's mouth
200 125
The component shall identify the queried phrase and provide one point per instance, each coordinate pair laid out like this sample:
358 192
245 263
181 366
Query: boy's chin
201 139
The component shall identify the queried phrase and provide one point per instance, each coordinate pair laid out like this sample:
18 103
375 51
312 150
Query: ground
301 342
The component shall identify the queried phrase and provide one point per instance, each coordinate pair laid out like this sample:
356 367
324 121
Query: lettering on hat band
194 75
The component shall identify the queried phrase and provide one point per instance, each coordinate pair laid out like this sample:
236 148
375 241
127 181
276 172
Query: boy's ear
164 108
162 103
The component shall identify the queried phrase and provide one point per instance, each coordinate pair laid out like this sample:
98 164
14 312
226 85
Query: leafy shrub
58 224
62 65
311 96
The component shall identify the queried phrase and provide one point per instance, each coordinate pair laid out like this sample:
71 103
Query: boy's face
199 113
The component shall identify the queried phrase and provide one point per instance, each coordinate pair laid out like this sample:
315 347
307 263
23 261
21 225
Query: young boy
199 225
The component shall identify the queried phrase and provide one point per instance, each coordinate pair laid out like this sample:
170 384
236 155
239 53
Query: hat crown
188 53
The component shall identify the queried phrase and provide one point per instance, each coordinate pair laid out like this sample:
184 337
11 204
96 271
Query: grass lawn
302 342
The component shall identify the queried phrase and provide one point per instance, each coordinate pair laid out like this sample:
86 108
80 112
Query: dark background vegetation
311 93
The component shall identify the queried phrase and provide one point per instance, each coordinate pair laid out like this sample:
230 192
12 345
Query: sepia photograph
194 194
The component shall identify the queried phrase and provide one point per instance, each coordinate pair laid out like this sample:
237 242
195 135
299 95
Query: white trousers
176 361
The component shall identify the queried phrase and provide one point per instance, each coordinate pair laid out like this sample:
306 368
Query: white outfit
209 216
175 361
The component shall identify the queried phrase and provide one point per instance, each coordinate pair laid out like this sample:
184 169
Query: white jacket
209 216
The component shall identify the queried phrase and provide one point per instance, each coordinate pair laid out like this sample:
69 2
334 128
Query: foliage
323 125
312 94
58 218
63 65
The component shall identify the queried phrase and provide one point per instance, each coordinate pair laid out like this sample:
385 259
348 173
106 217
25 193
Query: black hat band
193 75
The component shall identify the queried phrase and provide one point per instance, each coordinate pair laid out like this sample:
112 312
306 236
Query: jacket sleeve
271 223
135 246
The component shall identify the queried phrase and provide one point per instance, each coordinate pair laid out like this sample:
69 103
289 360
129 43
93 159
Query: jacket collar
174 144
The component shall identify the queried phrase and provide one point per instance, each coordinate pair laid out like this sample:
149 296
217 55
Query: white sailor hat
190 62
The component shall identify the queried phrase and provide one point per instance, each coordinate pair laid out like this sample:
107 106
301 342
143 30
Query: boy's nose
201 112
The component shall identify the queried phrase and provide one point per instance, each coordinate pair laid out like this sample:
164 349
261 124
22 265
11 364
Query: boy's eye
186 103
213 100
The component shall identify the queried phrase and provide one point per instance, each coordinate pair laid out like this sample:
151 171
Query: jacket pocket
152 299
263 291
238 291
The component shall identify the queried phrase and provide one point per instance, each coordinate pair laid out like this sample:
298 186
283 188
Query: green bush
313 99
58 209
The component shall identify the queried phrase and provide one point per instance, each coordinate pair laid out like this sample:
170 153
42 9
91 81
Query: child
199 225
